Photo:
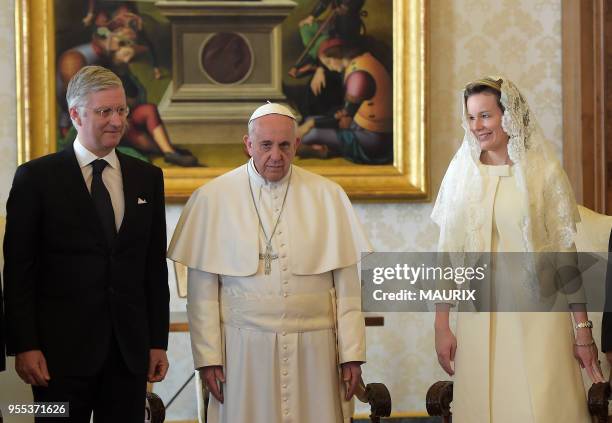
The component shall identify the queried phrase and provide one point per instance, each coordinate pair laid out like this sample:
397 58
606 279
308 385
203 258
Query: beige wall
518 38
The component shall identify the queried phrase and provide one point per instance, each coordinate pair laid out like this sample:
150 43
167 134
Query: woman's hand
446 345
585 352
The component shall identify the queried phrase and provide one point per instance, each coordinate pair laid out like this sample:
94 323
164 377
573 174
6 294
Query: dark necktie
102 201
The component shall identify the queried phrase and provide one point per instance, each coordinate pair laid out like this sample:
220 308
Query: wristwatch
586 324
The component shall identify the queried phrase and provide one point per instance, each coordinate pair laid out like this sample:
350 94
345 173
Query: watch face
227 58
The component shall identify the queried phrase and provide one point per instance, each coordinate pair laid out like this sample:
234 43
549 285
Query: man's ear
248 145
74 116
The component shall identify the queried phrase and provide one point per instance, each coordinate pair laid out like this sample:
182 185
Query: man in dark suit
87 302
606 323
2 345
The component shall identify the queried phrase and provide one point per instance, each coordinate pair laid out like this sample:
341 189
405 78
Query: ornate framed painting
353 71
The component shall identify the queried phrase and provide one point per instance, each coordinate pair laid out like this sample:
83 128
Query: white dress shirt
111 176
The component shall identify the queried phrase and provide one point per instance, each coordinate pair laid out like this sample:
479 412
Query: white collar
85 157
259 180
495 170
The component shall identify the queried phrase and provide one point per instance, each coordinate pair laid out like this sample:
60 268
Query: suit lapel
78 194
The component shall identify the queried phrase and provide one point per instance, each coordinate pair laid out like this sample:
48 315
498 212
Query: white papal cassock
274 334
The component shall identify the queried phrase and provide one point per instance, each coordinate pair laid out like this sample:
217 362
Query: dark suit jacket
2 330
67 291
606 323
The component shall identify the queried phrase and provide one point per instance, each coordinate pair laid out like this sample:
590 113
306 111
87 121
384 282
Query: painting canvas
128 38
337 68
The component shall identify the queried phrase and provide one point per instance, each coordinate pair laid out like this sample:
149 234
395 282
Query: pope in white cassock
274 301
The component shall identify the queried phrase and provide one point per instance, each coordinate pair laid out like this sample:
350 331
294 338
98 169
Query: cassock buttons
285 295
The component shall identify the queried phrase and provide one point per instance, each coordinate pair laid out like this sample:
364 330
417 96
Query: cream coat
513 367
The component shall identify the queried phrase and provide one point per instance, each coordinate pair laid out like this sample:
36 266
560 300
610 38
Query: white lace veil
550 223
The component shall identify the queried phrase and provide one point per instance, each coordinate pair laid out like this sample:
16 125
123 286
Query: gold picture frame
407 179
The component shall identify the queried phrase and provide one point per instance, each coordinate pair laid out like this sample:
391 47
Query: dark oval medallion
227 58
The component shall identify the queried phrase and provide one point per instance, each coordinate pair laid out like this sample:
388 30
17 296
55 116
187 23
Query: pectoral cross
268 257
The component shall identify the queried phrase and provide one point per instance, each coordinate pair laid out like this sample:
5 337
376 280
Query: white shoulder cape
218 230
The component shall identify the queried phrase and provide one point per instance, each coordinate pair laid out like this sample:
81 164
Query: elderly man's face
272 145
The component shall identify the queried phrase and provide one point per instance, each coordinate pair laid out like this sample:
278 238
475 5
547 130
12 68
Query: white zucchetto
271 109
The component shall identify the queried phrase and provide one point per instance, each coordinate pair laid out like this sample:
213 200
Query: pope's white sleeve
204 318
351 325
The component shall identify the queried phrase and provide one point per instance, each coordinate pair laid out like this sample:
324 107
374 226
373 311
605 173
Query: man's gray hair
87 80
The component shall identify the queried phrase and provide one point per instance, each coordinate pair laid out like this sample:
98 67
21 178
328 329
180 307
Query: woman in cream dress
505 191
